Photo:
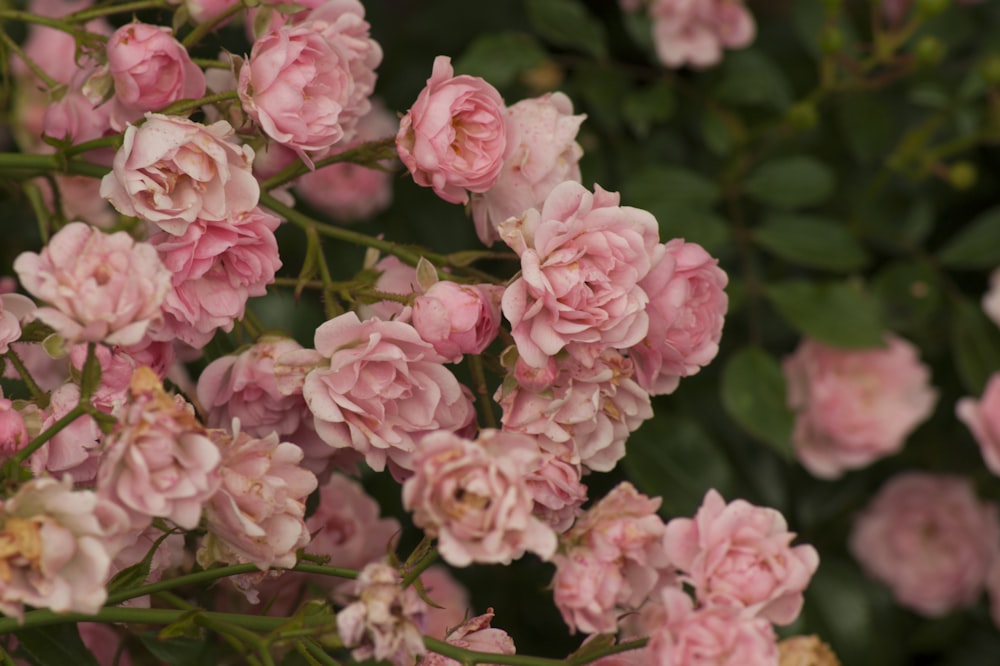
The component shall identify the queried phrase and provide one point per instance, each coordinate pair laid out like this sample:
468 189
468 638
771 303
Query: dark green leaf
673 186
644 108
57 645
811 241
910 294
501 57
602 89
791 182
751 78
719 136
179 651
673 457
977 245
867 125
567 23
838 314
753 392
975 345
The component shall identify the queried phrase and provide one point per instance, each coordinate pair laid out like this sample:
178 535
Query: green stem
93 144
29 381
421 566
475 363
33 164
588 657
202 29
158 616
52 431
85 15
185 105
49 82
473 657
28 17
316 653
364 154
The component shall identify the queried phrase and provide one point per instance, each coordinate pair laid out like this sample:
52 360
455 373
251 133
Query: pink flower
171 171
586 591
202 11
378 388
715 635
151 70
215 267
160 461
582 258
13 309
450 597
101 288
53 550
387 621
687 307
308 84
454 137
473 496
474 634
694 32
855 406
133 546
544 154
981 417
105 643
558 491
991 299
395 277
458 319
74 451
930 539
741 552
257 514
76 118
13 433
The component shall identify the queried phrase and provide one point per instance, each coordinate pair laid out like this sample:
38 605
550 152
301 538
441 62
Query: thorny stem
186 105
85 15
49 82
208 26
29 381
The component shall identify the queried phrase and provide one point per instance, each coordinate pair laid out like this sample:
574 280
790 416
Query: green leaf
911 294
811 241
750 78
977 245
57 645
836 313
135 575
867 126
179 651
753 392
644 108
672 456
602 88
501 57
567 23
975 346
791 182
673 186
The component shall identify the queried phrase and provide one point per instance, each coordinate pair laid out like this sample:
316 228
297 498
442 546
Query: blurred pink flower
742 553
451 597
854 406
558 490
100 287
694 32
75 450
13 309
983 418
582 258
171 171
544 153
395 277
134 545
473 496
105 643
474 634
13 432
458 319
455 136
930 539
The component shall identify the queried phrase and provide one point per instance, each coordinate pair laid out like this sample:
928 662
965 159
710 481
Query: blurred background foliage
846 178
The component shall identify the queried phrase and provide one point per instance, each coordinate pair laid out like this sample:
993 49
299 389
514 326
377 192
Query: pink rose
473 496
544 154
159 462
458 319
981 417
558 490
257 514
378 388
54 548
308 84
13 309
76 118
586 591
741 552
133 547
171 171
202 11
582 259
474 634
450 597
101 287
930 539
855 406
454 137
215 267
151 70
694 32
687 307
13 433
75 450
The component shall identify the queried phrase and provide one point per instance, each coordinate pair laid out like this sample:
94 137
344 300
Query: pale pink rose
558 491
474 634
929 539
473 496
981 416
54 552
376 387
13 309
585 415
395 277
49 373
79 199
116 365
387 621
159 462
991 299
101 287
586 590
215 267
687 308
454 137
134 546
308 84
105 643
171 171
582 259
854 406
203 11
450 597
257 514
151 70
544 154
742 552
350 192
458 319
715 635
13 432
76 118
75 450
695 32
